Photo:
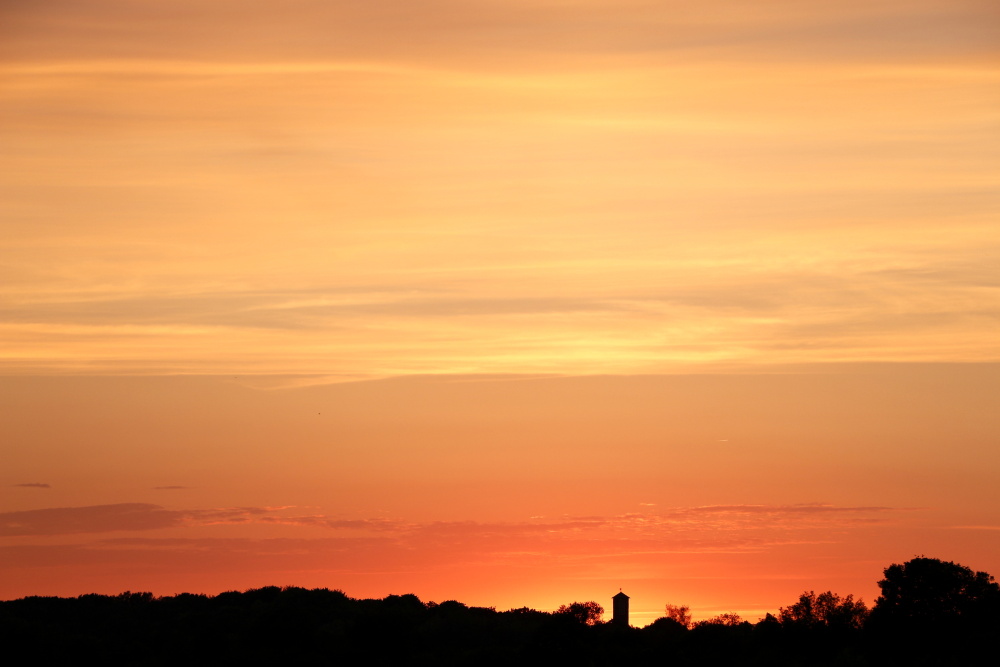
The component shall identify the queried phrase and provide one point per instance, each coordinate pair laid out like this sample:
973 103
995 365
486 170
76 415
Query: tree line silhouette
930 612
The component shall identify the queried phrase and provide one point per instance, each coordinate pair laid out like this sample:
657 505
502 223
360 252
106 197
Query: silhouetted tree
934 612
722 619
825 610
931 590
679 613
665 627
585 613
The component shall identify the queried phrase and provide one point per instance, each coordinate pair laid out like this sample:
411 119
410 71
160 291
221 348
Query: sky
516 303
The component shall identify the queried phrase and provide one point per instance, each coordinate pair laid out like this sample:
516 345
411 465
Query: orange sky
510 302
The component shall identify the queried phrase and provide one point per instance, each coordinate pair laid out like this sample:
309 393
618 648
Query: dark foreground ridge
931 612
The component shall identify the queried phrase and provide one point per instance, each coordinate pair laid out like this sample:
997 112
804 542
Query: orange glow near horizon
509 302
725 492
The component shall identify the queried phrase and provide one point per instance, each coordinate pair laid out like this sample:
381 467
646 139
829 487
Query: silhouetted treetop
825 610
681 614
728 620
585 613
932 590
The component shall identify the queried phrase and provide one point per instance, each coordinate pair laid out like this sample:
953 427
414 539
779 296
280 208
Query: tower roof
619 594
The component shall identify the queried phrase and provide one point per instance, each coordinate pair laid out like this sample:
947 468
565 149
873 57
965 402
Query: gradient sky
509 302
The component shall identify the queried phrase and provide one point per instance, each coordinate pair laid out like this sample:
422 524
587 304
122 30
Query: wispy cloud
360 546
378 525
804 508
94 519
35 485
381 552
118 517
660 525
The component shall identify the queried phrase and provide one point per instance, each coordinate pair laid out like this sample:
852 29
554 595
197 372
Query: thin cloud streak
785 317
146 516
377 554
117 517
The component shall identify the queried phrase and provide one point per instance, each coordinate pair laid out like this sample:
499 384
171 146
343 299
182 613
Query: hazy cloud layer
437 186
438 30
122 516
96 519
665 524
523 560
573 553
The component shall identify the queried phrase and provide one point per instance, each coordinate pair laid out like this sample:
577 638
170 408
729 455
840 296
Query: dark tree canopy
585 613
679 613
934 612
825 610
928 590
727 619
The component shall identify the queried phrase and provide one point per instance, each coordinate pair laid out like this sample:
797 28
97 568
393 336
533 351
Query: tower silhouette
619 609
